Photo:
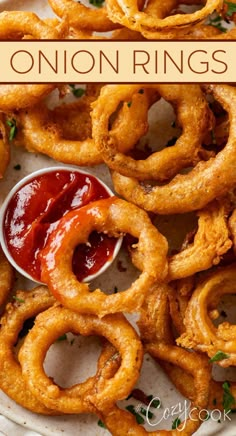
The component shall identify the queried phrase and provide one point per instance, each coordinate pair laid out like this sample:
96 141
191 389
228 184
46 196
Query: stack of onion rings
200 333
166 163
56 321
194 190
78 148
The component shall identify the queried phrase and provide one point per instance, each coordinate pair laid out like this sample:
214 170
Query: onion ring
26 305
163 164
211 241
53 323
179 295
74 145
155 314
200 333
6 277
80 16
196 189
114 216
155 16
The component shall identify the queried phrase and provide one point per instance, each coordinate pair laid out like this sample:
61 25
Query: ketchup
34 210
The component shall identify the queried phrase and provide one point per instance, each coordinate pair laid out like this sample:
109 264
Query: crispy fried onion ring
192 191
211 241
179 294
194 31
115 217
80 16
4 146
58 320
18 25
155 332
6 278
156 15
184 382
232 227
189 102
201 334
42 130
27 305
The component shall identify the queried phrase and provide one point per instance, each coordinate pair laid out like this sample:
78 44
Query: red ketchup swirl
34 210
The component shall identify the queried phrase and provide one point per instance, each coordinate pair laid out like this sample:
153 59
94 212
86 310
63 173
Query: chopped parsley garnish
97 3
217 22
129 104
62 338
219 356
176 423
207 416
17 167
13 128
228 399
138 417
231 8
19 300
144 412
78 92
101 424
155 403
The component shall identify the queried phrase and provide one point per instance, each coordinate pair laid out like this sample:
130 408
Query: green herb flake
97 3
155 403
101 424
228 399
139 418
176 423
219 356
13 128
207 417
19 300
231 8
17 167
77 92
217 22
62 338
144 412
129 104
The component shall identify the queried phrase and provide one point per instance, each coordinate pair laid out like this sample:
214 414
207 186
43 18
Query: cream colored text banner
117 61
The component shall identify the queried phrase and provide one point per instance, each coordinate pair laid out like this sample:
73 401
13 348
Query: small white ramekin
21 183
